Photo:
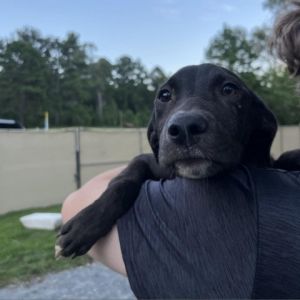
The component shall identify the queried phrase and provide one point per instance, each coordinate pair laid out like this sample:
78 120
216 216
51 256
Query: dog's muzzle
181 141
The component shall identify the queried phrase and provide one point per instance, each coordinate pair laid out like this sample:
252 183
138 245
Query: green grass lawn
26 253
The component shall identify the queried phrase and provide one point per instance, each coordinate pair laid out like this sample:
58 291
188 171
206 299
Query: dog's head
205 120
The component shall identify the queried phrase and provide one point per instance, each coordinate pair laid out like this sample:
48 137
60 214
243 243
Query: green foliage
279 90
39 74
232 49
246 54
275 5
27 253
24 77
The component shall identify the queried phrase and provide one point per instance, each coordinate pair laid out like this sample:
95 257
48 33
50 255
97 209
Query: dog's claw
58 252
73 256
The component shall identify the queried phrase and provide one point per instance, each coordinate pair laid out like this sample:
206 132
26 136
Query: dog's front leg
80 233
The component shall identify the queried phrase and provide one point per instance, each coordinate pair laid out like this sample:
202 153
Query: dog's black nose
184 128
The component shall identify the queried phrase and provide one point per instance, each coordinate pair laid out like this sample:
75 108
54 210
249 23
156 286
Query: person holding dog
235 235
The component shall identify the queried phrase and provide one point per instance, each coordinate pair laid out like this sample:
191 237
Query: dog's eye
229 89
164 95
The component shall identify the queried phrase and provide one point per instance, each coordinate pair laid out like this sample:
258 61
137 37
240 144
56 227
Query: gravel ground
92 281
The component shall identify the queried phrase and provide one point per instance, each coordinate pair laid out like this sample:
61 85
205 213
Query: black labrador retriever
205 121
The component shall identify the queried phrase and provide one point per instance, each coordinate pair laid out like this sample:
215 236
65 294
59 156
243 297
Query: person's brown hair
285 39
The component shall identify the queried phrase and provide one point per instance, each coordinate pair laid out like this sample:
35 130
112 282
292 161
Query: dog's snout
183 128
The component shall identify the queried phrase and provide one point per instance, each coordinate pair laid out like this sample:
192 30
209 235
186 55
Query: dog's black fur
205 121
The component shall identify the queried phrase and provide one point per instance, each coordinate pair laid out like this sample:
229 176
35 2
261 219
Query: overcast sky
169 33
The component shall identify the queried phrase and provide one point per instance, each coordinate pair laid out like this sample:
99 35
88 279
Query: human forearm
107 250
88 193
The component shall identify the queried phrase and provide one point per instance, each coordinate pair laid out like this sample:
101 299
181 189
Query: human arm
107 250
96 220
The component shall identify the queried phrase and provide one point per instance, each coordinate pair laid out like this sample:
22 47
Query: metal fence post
299 135
281 139
140 133
77 158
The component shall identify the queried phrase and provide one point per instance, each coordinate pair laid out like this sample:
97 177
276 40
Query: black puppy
205 121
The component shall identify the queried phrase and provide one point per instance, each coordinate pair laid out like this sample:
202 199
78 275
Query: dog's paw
73 240
80 233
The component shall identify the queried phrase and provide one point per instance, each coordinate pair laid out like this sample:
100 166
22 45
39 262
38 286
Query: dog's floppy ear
153 135
263 127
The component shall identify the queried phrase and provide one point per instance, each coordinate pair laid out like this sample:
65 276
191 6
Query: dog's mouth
194 160
197 167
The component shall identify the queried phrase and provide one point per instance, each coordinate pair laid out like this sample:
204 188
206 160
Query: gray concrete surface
88 282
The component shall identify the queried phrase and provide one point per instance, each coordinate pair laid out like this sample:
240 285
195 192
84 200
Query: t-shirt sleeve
154 241
145 240
172 246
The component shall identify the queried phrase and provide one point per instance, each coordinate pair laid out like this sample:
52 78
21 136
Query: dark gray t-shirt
200 238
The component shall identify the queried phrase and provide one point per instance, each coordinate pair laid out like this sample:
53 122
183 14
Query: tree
102 81
276 5
131 93
157 77
25 77
236 50
279 92
246 55
76 105
40 74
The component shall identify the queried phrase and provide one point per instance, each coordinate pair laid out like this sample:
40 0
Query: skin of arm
107 250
